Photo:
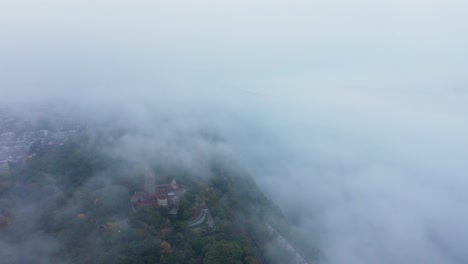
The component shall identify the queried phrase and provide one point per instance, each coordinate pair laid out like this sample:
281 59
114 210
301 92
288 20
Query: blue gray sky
352 115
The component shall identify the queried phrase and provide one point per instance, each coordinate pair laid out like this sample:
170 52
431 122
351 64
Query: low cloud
350 116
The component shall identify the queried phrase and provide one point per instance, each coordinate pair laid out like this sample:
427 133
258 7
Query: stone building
155 195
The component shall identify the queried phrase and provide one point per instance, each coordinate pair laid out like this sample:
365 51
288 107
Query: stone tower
150 182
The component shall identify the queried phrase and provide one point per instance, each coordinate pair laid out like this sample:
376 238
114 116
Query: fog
351 115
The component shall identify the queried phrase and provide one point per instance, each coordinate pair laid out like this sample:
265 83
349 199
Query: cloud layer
350 114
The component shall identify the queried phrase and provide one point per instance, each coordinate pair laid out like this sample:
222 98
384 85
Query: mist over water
350 115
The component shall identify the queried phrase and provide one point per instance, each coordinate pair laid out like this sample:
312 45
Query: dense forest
71 204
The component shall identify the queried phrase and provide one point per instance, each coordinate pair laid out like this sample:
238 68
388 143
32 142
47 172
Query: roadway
298 259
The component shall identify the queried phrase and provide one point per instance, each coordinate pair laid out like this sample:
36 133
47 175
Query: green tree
223 252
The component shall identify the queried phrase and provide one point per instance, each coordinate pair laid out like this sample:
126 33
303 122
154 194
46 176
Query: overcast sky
352 115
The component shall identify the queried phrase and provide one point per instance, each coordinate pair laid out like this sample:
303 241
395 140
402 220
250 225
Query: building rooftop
167 194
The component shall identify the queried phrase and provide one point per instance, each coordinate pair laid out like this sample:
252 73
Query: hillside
71 204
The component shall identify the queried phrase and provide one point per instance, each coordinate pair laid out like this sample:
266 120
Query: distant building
155 195
4 168
3 221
